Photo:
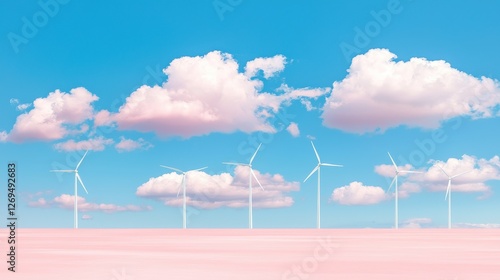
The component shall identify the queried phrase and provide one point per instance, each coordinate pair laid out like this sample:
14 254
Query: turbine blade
254 154
448 189
329 164
182 182
68 171
462 173
392 183
235 163
312 172
410 171
443 171
251 170
171 168
316 152
393 161
197 169
78 165
81 182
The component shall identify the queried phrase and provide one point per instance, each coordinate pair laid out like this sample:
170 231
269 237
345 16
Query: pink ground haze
258 254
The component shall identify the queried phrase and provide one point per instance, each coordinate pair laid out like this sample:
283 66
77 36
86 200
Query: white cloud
50 117
3 136
472 225
293 129
86 217
40 203
94 144
416 223
307 103
380 93
358 194
388 170
127 145
19 107
483 170
434 180
203 94
269 66
222 190
67 201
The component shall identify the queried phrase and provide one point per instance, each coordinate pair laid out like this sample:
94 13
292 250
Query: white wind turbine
318 168
250 219
183 184
448 191
396 189
77 177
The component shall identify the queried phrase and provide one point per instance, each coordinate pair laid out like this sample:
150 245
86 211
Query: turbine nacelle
448 189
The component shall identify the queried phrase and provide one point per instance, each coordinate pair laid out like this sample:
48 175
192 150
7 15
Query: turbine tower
396 189
252 174
317 168
77 177
183 184
448 191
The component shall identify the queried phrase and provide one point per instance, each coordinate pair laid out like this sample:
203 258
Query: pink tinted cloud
40 203
433 179
128 145
388 170
202 94
66 201
214 191
293 129
50 116
380 93
94 144
416 223
358 194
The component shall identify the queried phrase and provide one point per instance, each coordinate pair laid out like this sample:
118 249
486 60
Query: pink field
134 254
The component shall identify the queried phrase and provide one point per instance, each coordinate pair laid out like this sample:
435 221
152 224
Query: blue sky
194 83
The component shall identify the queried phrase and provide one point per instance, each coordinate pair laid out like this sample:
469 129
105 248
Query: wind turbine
183 184
77 177
250 219
396 189
448 191
317 168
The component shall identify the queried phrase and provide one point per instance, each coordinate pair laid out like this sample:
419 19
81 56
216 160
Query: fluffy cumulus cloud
67 201
476 174
293 129
214 191
95 144
52 117
206 94
269 66
380 93
128 145
358 194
